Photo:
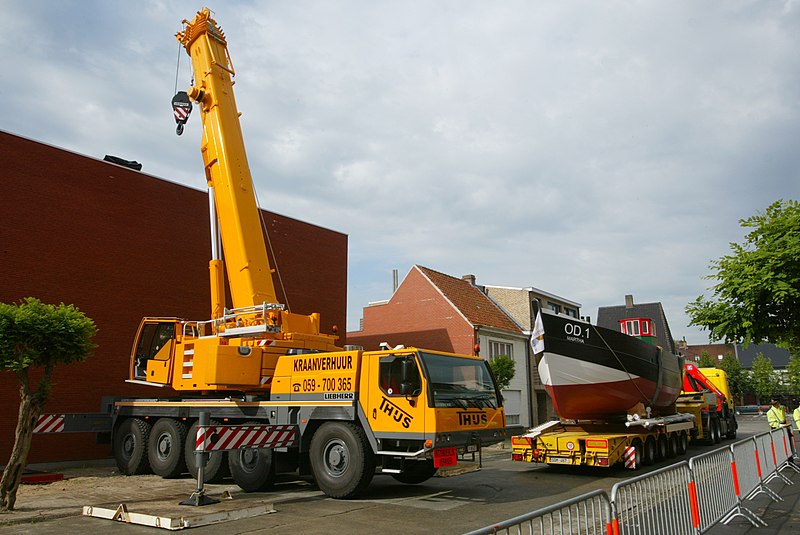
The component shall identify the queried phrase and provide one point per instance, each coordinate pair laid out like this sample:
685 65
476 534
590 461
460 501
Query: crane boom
225 160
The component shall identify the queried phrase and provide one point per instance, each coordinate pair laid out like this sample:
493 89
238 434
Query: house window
554 307
500 348
571 312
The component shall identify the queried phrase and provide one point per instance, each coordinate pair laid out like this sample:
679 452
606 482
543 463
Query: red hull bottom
599 400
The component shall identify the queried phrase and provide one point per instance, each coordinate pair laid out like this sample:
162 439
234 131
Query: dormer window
637 327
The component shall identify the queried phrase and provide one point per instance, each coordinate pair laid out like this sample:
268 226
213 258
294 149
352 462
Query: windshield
459 382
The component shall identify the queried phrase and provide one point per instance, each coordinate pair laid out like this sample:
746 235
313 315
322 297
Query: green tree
503 369
706 361
765 381
757 293
736 376
34 335
793 375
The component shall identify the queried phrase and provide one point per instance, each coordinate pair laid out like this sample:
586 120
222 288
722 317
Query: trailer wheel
672 445
415 472
216 465
341 459
638 446
683 443
716 435
130 446
165 448
252 469
662 445
649 450
732 427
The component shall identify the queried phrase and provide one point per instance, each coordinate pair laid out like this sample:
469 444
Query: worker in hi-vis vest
776 415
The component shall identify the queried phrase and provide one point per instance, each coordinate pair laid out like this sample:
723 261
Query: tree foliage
757 293
503 369
36 335
737 377
765 380
706 361
793 375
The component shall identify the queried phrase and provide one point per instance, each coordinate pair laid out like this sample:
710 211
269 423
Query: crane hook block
181 107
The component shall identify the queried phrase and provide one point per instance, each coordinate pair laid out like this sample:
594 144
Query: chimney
628 301
469 278
394 281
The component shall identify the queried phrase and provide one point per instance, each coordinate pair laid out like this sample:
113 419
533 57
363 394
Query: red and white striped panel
630 457
265 342
224 437
50 423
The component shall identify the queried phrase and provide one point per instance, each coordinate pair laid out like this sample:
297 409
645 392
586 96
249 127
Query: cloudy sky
589 149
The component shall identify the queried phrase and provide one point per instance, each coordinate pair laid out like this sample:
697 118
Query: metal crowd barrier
588 514
658 502
783 450
685 498
766 455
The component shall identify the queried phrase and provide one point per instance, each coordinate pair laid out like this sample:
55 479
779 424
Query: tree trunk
30 408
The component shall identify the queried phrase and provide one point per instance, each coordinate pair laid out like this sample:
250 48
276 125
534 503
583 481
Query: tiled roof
778 355
470 301
609 317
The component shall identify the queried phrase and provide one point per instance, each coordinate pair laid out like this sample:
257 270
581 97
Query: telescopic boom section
228 173
226 167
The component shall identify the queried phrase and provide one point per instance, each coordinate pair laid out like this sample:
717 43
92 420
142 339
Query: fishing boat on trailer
592 373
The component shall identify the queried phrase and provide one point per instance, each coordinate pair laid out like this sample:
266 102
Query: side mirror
409 378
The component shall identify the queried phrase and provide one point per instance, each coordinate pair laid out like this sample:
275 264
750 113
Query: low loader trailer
703 413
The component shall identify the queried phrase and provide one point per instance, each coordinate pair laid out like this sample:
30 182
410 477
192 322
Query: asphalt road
501 489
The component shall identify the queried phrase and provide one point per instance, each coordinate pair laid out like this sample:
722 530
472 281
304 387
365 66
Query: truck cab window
154 336
399 376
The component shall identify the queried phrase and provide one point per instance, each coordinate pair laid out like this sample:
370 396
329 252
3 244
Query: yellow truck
341 414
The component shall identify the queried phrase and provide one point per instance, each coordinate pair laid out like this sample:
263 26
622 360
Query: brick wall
121 245
416 315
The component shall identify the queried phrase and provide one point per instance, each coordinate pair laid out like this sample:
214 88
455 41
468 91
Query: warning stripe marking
49 423
222 437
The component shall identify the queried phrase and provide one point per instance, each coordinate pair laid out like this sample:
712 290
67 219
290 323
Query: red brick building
120 245
436 311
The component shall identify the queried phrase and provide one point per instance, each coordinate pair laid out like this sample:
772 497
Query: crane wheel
252 469
341 459
165 448
130 446
217 464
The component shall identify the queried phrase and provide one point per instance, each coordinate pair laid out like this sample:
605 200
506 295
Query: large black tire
341 459
217 465
672 445
253 470
637 445
662 447
732 428
415 472
649 451
165 448
130 446
716 434
683 443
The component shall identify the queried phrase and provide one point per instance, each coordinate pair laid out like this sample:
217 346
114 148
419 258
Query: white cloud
591 150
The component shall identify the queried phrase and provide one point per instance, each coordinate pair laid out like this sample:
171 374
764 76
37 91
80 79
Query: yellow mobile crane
348 413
